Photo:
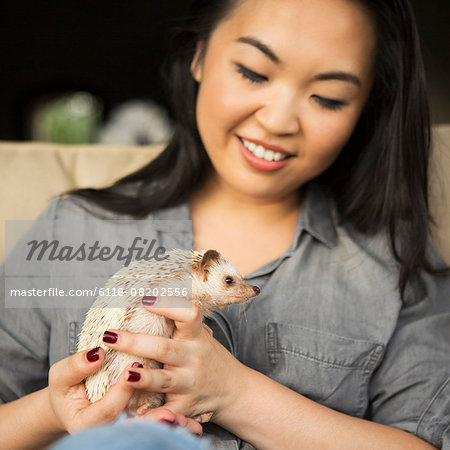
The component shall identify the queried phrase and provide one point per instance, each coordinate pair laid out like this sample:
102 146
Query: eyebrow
340 76
264 48
260 46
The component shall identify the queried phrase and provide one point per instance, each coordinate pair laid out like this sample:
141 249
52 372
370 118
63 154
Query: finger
165 415
113 402
74 369
199 418
188 321
190 424
160 415
159 348
152 380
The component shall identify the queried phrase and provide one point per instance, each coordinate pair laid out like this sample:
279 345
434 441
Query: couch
32 173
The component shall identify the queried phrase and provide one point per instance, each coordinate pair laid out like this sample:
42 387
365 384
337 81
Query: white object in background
136 122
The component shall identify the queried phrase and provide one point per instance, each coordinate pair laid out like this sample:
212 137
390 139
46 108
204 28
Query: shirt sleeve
24 341
410 389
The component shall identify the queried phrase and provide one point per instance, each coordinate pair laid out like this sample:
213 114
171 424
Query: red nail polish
137 364
110 337
133 376
149 300
93 355
166 420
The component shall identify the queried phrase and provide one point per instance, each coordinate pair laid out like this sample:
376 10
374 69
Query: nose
256 290
279 115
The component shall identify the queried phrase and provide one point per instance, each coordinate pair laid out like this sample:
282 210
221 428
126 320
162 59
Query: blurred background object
69 118
113 50
136 122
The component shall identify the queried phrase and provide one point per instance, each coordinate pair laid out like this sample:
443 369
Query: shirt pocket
329 369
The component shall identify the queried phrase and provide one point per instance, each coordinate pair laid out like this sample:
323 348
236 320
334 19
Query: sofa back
32 173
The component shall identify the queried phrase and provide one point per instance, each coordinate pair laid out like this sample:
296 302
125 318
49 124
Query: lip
275 148
258 163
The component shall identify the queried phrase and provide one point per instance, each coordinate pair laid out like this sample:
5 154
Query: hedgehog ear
202 267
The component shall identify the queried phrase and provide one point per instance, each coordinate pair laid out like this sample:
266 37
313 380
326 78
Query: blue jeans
138 434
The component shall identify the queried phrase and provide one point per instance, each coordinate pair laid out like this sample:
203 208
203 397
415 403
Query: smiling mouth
263 153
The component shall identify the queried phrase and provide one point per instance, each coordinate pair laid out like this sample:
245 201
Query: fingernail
149 300
93 355
110 337
137 364
166 420
133 376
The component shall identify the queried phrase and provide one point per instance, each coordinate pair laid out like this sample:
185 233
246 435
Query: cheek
328 134
221 109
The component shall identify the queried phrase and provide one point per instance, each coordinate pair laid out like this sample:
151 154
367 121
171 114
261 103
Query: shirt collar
316 217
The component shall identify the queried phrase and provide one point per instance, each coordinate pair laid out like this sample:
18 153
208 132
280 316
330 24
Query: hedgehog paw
203 418
142 409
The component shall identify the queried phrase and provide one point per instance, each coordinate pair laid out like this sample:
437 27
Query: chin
257 192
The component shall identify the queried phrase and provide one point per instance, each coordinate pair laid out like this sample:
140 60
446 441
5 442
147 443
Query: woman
300 154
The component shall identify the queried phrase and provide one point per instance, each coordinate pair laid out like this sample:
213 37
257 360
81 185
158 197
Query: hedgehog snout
256 290
243 291
252 291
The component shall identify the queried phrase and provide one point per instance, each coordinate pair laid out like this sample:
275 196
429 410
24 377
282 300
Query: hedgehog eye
228 280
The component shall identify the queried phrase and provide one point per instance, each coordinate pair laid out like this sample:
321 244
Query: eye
329 103
248 74
228 280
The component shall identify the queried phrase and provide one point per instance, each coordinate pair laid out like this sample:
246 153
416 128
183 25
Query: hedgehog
210 281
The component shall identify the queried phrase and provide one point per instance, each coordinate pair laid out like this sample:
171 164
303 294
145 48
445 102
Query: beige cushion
32 173
440 190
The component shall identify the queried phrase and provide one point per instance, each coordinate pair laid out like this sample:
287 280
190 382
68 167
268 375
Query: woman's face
278 78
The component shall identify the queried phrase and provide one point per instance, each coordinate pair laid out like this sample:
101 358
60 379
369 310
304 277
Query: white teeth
269 155
261 152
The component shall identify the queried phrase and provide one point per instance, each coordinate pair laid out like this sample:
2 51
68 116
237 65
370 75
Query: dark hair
380 179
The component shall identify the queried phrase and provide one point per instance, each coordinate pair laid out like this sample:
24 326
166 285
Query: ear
196 64
202 268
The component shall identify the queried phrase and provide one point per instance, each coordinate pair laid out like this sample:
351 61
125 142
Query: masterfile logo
66 263
55 251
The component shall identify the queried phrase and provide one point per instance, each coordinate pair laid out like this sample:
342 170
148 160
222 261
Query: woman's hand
165 415
67 393
73 410
199 375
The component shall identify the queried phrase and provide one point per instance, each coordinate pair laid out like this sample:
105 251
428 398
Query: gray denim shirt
328 324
